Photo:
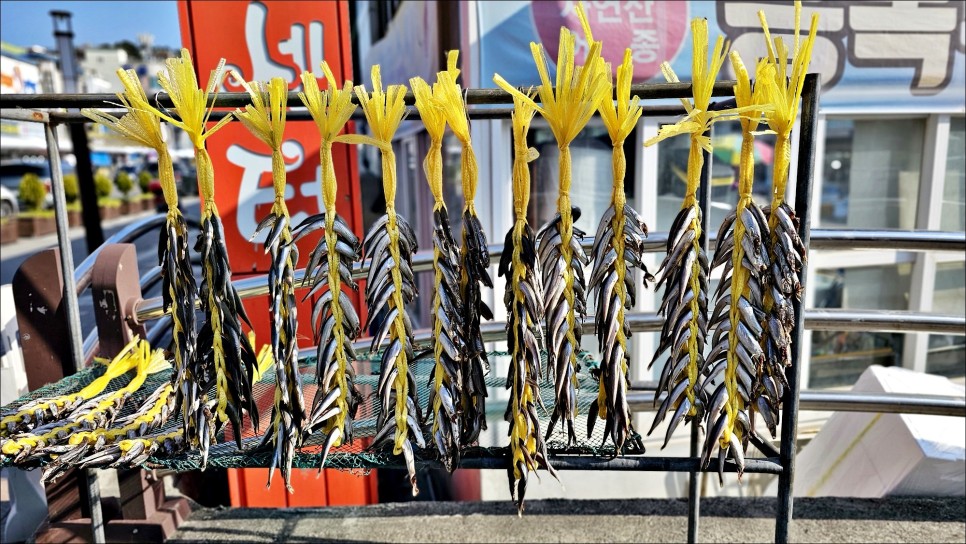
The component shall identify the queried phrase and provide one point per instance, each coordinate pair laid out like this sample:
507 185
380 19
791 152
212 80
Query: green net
357 454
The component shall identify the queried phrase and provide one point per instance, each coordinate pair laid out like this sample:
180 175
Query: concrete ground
647 520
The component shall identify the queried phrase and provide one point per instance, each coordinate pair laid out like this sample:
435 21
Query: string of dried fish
736 354
330 267
474 260
225 360
97 413
153 413
567 107
142 125
786 252
446 381
389 246
685 269
42 411
524 304
265 119
618 248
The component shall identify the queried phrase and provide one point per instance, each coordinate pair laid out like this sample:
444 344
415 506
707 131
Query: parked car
12 171
8 203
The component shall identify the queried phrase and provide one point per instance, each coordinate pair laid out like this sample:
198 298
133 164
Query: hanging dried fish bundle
567 108
153 413
335 320
225 360
736 353
618 248
142 125
449 352
685 269
786 252
265 119
524 304
41 411
391 285
97 413
474 260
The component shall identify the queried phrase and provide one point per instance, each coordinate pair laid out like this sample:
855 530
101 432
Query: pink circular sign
652 30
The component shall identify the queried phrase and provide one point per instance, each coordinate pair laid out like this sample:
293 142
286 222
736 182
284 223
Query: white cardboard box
873 455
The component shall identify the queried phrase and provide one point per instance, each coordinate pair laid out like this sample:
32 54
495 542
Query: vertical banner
262 40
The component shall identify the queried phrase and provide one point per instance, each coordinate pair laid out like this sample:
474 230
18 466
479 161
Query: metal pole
803 198
70 301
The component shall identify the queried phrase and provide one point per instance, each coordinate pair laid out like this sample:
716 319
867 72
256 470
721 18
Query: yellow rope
384 111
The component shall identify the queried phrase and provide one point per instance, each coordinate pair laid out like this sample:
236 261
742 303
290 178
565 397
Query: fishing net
357 454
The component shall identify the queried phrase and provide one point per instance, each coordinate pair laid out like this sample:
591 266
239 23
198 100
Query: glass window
947 353
839 357
953 214
726 154
871 173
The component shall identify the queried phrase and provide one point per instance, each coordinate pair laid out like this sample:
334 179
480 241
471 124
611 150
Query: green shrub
124 183
102 186
33 192
144 181
71 188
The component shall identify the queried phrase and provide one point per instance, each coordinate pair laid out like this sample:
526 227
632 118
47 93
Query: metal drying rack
779 461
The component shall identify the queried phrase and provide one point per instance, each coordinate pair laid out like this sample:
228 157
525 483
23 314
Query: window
871 173
947 353
953 214
839 357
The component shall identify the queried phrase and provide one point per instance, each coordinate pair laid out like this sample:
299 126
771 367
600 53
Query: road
11 256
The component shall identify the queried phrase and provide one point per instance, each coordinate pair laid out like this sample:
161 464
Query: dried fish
618 246
685 269
786 252
567 108
736 305
265 119
474 260
449 348
142 125
520 267
225 361
335 319
384 110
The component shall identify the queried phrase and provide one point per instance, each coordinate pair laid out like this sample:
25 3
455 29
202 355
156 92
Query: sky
27 22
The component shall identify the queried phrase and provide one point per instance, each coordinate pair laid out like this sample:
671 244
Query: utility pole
64 36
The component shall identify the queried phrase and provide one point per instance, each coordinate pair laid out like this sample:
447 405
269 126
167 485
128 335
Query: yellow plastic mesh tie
142 125
265 119
786 93
450 96
431 112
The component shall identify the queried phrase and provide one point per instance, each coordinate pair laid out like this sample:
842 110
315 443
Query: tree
124 183
33 192
102 186
144 181
71 188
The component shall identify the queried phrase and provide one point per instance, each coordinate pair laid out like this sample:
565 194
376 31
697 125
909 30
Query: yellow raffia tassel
785 94
265 118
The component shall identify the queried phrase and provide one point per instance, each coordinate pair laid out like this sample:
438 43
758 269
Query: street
12 255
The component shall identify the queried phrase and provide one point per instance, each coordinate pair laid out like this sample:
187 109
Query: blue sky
26 23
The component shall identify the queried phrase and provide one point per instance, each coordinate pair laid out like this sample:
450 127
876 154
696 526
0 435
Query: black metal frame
781 462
